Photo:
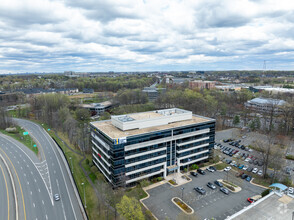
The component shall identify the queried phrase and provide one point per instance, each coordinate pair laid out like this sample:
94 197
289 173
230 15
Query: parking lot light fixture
182 193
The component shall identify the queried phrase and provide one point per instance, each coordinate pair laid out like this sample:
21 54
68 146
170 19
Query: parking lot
213 204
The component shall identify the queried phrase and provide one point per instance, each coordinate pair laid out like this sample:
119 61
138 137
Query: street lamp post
72 171
84 195
182 193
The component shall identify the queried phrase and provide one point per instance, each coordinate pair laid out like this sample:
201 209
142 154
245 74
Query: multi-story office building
132 147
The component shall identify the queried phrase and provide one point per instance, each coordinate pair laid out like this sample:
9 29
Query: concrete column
178 164
164 173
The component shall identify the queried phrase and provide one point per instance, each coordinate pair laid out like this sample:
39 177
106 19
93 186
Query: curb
181 207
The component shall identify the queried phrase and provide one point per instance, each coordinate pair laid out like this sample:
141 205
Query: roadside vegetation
27 140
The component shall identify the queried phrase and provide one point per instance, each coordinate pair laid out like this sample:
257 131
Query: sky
145 35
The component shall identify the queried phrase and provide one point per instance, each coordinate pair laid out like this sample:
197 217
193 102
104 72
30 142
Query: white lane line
43 202
20 167
28 182
31 193
61 200
35 180
52 147
12 142
39 191
25 174
54 171
34 205
46 217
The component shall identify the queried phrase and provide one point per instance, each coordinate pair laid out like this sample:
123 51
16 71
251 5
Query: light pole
182 193
72 171
84 195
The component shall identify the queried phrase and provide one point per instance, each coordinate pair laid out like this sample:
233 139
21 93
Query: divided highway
36 180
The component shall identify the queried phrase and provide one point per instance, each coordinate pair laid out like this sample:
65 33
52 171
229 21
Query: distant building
38 91
132 147
229 88
97 108
88 90
265 105
153 92
199 84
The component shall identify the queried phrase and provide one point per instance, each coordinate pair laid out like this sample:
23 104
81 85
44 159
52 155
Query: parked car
255 170
249 169
260 173
247 159
244 176
227 168
211 186
248 178
255 162
194 174
260 163
241 166
254 198
212 167
233 163
218 183
200 190
209 169
224 190
201 171
288 170
291 190
245 167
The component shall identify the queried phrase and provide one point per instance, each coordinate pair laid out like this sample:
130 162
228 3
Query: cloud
132 35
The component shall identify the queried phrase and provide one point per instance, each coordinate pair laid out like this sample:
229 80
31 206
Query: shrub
87 161
194 167
159 178
287 181
290 157
94 169
172 182
265 192
185 170
182 205
91 163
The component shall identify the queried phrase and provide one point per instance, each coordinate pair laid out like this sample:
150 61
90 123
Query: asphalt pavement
36 180
55 173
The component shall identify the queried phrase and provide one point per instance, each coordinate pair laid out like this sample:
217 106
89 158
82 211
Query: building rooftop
272 207
145 122
267 101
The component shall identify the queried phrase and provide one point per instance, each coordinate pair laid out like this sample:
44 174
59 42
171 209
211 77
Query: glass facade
119 161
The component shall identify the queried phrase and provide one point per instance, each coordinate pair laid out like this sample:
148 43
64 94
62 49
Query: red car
250 200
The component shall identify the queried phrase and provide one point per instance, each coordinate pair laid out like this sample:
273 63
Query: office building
132 147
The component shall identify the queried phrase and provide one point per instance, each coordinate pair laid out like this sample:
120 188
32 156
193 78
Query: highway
37 179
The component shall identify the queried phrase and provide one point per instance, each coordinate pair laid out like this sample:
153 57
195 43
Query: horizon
138 36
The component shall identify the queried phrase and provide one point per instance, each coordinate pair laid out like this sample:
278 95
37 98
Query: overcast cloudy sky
132 35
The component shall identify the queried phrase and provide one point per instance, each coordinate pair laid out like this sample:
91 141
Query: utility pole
182 193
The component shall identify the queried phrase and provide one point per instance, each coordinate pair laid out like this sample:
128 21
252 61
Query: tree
130 208
236 120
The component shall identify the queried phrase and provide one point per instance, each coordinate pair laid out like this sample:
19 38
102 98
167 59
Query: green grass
221 166
78 174
24 139
227 182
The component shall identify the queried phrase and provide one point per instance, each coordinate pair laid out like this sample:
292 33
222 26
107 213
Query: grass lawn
79 176
221 166
24 139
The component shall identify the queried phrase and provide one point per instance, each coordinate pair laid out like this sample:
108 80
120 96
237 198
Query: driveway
213 204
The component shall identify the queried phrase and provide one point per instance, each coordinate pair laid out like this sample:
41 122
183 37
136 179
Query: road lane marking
39 191
6 190
61 200
23 203
12 142
34 205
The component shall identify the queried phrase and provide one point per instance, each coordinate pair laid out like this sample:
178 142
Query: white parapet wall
150 119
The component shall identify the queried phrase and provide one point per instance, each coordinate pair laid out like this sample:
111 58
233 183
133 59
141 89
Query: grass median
24 139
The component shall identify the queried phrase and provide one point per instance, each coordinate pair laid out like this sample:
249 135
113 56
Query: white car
247 159
291 190
260 172
245 167
255 170
233 163
56 197
227 168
